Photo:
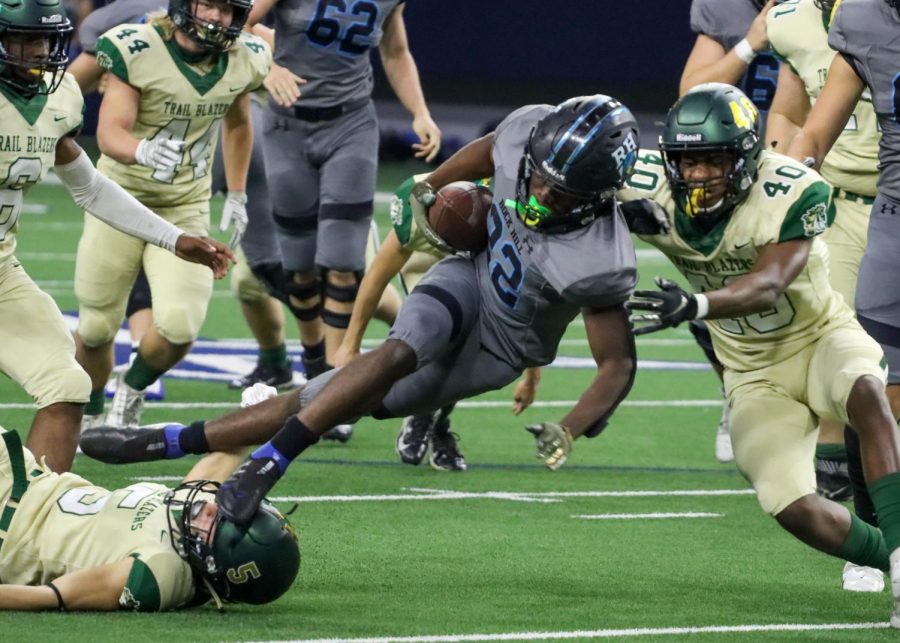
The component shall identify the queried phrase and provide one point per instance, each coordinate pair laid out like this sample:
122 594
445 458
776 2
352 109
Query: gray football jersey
532 284
866 33
727 22
112 15
328 42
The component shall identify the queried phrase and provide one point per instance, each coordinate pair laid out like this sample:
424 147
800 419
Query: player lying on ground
40 114
743 226
66 544
558 246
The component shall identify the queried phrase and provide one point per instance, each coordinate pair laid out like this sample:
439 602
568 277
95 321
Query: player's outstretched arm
612 346
471 162
94 589
237 143
107 201
403 76
388 262
843 89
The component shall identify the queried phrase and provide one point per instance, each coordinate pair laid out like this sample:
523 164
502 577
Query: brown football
459 215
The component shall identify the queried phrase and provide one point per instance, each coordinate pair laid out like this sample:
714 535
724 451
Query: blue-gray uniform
727 22
867 33
475 324
321 154
116 13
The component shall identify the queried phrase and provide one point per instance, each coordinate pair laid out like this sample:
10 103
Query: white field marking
604 634
46 256
465 404
650 516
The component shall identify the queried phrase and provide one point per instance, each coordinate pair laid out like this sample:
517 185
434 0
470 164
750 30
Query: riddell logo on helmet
51 20
688 138
552 171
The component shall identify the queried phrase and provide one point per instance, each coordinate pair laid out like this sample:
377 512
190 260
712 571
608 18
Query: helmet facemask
194 545
31 69
213 37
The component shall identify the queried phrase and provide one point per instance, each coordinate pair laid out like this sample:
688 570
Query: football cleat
126 407
833 480
239 497
280 378
89 422
412 441
862 579
339 433
117 445
445 454
895 587
724 451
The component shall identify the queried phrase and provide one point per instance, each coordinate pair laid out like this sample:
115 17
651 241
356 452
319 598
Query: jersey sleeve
843 41
402 219
110 58
260 59
703 19
810 215
158 581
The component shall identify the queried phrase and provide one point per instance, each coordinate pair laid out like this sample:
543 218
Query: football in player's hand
459 215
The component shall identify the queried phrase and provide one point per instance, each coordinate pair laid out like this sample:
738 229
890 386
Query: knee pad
139 298
179 325
245 286
96 328
704 340
345 294
304 292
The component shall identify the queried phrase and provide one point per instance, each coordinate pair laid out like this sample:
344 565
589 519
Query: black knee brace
273 277
704 341
304 292
139 298
343 294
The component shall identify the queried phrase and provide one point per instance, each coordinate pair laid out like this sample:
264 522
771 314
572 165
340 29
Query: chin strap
220 607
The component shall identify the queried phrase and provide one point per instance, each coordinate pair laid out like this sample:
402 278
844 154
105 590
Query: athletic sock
885 494
292 440
836 452
274 358
95 403
140 374
865 546
862 501
190 439
314 351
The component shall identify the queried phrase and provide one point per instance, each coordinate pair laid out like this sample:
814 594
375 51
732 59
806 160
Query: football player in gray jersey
558 246
322 151
731 47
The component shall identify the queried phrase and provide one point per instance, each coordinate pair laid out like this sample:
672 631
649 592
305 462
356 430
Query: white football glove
553 443
235 211
161 154
257 393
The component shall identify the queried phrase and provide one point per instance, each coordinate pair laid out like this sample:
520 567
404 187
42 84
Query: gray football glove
553 443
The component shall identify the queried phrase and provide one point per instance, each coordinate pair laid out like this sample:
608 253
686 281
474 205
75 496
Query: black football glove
668 307
423 193
645 216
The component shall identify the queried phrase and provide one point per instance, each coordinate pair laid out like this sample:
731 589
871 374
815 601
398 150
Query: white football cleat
862 579
126 407
92 421
895 588
724 452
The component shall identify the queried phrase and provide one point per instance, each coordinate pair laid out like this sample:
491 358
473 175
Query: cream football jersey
179 100
798 35
29 132
788 201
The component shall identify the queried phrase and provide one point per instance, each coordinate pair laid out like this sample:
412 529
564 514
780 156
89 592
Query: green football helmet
211 36
22 21
253 564
711 118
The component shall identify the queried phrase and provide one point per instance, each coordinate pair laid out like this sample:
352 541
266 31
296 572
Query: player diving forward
40 113
558 245
69 545
743 229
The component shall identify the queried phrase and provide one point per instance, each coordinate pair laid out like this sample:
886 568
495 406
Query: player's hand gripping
206 251
666 307
234 211
283 85
553 443
161 154
757 35
423 193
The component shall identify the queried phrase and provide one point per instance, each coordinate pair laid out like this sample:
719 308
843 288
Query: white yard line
604 634
650 516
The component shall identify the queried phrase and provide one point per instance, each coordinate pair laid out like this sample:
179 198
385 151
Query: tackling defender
40 113
68 545
172 81
743 229
558 245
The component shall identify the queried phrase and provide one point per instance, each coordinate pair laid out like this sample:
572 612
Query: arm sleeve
111 204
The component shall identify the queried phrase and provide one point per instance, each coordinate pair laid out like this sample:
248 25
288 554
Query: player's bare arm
118 113
403 76
789 110
95 589
86 71
709 62
829 115
237 142
388 262
260 10
472 162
